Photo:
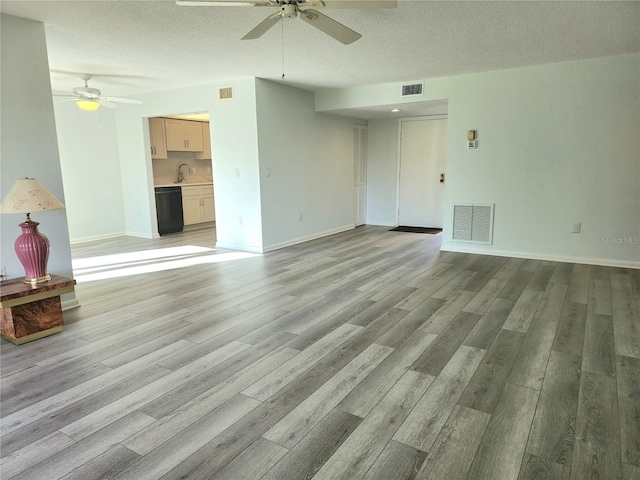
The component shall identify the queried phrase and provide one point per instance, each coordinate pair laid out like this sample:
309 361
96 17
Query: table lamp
32 248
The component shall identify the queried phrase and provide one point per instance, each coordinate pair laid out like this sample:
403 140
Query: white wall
136 172
382 172
28 139
90 171
90 147
311 169
557 144
236 182
310 157
381 94
234 149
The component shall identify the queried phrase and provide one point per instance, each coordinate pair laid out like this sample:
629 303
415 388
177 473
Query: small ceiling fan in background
291 9
88 98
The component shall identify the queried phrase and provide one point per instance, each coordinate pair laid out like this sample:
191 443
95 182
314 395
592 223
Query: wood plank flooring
364 355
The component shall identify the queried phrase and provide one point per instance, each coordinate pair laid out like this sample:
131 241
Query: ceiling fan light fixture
395 110
88 105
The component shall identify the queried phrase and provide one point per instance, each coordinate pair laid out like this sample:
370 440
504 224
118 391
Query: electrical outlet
268 172
237 172
240 220
575 228
300 217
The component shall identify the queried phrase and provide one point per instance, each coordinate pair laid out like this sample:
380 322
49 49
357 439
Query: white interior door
359 174
422 161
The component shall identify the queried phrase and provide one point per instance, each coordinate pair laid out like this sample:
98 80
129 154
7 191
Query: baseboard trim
314 236
69 304
113 235
94 238
143 235
605 262
382 224
242 248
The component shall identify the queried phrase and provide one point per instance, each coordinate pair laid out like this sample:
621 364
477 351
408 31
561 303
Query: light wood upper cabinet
193 134
175 135
157 137
206 147
183 135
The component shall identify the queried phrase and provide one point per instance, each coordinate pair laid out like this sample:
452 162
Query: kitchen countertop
183 184
189 180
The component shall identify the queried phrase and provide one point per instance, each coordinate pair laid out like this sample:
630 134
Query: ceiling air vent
415 89
473 222
225 93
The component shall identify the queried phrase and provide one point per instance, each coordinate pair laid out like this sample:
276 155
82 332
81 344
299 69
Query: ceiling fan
88 98
291 9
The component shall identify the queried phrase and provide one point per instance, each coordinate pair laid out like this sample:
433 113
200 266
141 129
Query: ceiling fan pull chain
282 22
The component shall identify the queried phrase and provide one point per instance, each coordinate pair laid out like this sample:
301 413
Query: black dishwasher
169 209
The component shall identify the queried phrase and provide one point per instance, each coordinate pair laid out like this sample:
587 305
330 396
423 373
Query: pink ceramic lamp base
32 249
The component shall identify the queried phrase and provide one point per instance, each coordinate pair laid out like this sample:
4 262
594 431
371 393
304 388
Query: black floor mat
416 229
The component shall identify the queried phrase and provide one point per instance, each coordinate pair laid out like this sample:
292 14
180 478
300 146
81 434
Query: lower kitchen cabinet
197 204
208 209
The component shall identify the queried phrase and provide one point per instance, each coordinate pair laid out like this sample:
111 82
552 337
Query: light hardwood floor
364 355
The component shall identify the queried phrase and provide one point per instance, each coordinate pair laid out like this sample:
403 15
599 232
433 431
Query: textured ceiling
140 46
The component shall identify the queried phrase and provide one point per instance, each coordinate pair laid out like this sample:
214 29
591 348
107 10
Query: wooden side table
32 312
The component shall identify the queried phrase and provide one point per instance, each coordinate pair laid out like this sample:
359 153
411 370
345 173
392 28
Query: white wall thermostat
472 144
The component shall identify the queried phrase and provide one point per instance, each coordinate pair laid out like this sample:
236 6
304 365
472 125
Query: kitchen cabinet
197 204
206 147
183 135
158 138
208 208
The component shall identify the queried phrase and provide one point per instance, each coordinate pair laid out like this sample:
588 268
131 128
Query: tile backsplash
163 168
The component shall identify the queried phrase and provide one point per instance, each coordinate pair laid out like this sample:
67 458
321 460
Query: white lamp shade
88 105
28 195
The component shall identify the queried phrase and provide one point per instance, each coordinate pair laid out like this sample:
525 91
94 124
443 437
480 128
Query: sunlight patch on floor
156 253
149 261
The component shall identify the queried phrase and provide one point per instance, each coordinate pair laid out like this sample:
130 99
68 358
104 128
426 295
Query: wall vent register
414 89
473 222
225 93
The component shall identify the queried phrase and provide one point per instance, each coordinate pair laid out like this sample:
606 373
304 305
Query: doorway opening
359 174
182 162
421 171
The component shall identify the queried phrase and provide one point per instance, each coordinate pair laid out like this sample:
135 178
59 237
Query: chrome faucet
180 174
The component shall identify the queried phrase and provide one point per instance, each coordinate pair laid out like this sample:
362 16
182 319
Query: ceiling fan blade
227 3
63 100
106 103
329 26
368 4
263 26
66 95
122 100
